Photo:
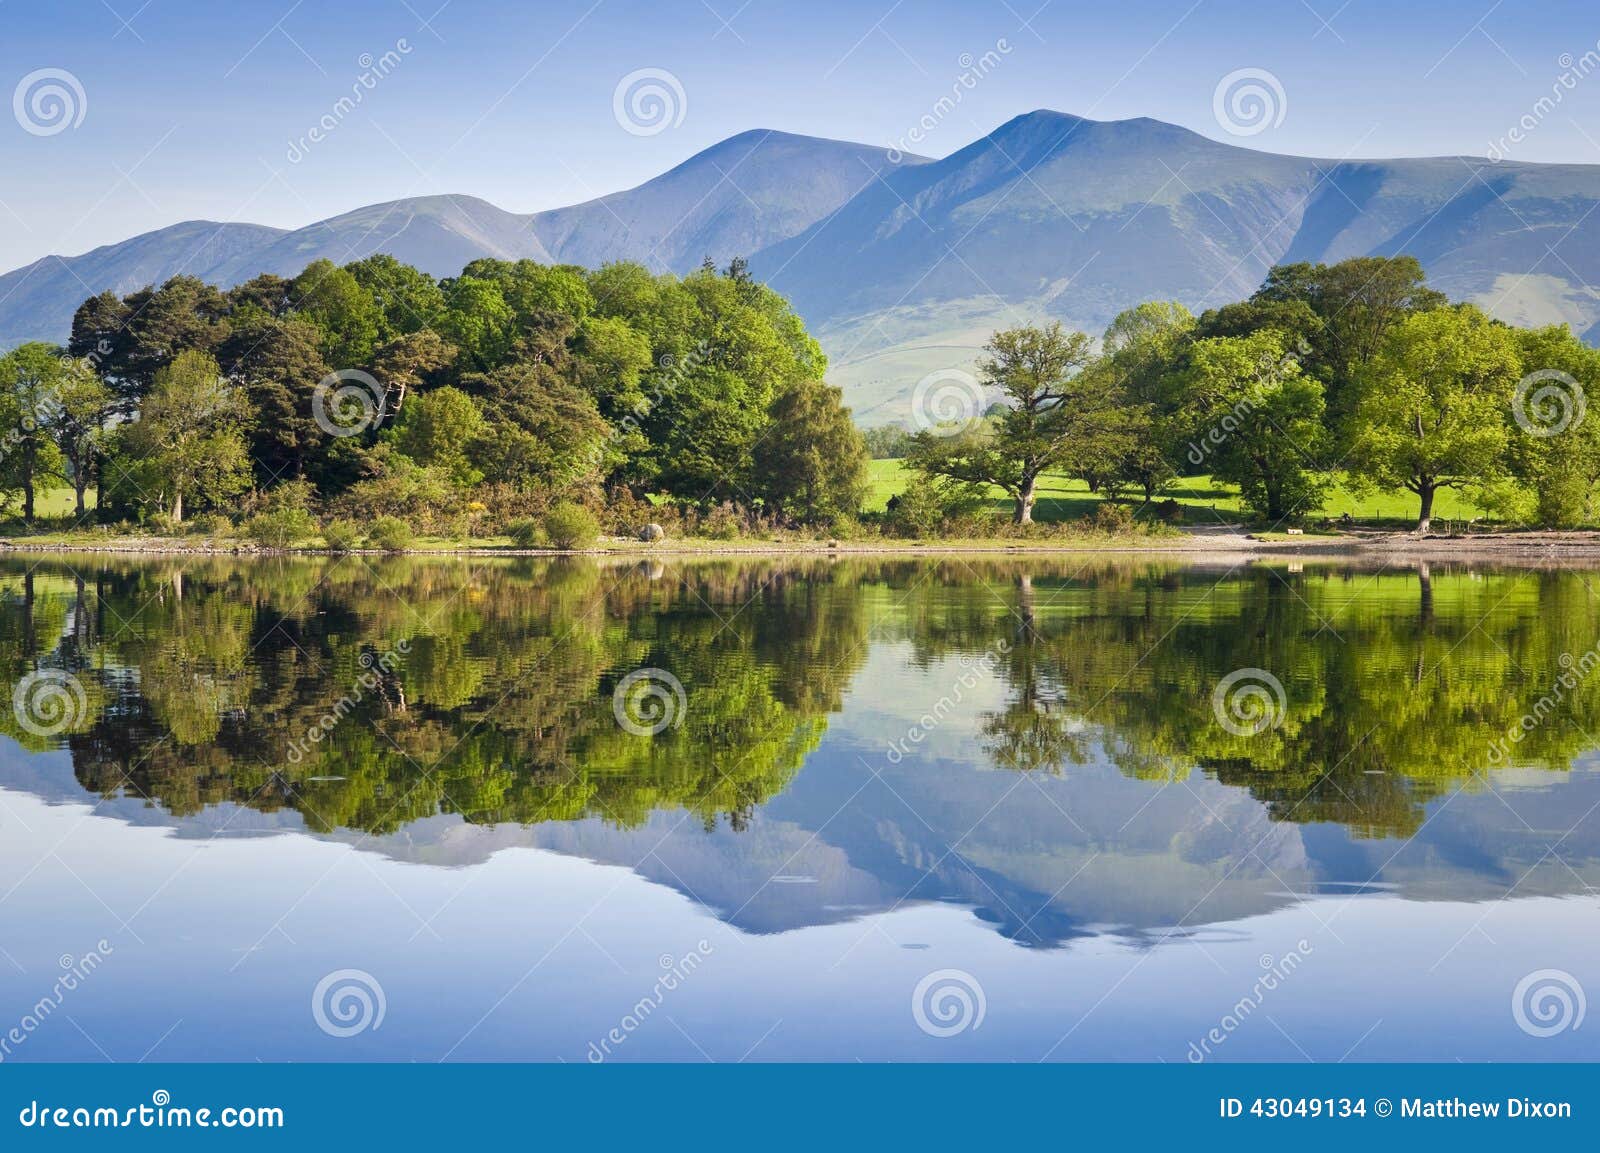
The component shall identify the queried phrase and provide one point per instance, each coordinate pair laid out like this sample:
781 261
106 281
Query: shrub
926 505
391 534
526 533
1113 517
281 527
721 523
212 524
342 535
570 525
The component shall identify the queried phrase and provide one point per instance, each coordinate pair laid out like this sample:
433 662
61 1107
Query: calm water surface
964 809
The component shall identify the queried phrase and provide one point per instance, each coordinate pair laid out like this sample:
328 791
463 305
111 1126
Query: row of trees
374 387
1356 369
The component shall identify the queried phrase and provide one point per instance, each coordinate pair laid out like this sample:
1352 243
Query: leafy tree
437 430
348 316
1058 417
540 430
277 365
1554 449
1259 420
190 435
407 362
83 404
1140 355
409 299
1432 412
811 462
30 380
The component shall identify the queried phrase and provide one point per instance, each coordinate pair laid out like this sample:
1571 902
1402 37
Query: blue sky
189 109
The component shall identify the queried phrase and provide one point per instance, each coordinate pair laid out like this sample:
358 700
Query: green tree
1257 420
334 300
277 364
1432 412
1140 355
437 429
78 425
1554 449
31 376
1058 417
811 462
190 435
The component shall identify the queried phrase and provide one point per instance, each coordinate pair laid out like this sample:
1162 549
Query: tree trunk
1425 517
80 484
177 507
27 499
1023 514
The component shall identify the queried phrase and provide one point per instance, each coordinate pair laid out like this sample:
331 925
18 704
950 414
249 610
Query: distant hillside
1053 216
905 268
738 197
37 301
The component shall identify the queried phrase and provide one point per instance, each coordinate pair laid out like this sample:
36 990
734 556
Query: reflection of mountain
1072 778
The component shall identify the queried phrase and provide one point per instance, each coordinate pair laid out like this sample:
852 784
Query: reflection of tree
1389 699
212 682
207 681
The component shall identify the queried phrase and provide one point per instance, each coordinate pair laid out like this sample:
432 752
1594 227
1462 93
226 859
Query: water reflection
1067 775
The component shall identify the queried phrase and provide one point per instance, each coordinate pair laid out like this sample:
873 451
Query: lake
1067 808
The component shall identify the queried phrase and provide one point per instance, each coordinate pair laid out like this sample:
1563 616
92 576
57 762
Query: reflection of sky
538 954
1146 909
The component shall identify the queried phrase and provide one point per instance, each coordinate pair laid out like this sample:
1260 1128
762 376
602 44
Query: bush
212 524
526 533
342 535
926 505
1113 517
281 527
391 534
721 523
570 525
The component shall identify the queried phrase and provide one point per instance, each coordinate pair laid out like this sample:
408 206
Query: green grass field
1062 498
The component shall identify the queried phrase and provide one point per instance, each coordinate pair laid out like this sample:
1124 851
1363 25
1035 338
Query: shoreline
1393 546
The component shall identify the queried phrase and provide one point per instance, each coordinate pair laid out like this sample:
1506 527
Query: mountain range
902 265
